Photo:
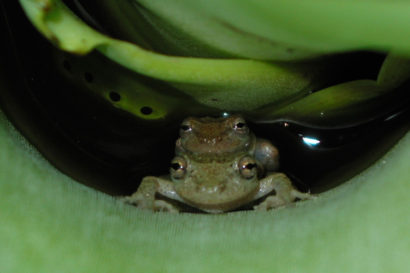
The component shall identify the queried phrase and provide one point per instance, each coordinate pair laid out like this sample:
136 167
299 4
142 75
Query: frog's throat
212 204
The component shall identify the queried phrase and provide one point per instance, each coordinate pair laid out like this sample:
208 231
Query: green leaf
394 71
343 105
177 28
253 83
347 104
50 223
318 25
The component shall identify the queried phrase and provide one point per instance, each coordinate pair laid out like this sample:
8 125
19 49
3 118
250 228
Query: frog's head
207 139
215 186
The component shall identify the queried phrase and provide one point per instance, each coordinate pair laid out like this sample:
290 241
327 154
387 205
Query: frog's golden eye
178 168
248 167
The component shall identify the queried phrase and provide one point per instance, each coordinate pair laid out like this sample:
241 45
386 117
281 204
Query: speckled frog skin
219 166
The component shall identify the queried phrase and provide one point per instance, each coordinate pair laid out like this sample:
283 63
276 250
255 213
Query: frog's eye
185 128
240 126
178 168
248 167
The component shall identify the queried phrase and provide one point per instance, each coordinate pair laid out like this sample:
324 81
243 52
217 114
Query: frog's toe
261 207
137 200
126 199
269 203
302 195
161 205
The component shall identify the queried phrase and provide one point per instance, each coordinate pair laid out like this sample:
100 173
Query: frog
219 166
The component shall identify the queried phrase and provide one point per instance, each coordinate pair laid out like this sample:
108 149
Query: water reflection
310 141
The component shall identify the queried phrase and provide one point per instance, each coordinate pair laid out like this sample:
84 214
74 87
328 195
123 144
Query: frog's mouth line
192 207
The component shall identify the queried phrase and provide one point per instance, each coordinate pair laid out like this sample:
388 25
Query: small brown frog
219 165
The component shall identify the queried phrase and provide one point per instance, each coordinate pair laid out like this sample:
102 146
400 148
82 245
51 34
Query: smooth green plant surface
50 223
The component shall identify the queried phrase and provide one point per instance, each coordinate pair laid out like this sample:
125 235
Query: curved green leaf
124 89
347 104
344 105
254 83
177 28
50 223
394 71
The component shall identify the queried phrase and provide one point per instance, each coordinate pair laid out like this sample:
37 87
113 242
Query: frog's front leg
145 196
280 192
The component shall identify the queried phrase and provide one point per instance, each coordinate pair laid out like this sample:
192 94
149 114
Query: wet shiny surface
320 159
